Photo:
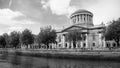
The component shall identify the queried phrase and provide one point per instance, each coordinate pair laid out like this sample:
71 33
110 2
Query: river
16 61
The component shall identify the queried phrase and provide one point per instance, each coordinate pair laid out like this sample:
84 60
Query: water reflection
15 61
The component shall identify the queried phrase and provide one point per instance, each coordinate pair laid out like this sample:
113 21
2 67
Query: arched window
93 44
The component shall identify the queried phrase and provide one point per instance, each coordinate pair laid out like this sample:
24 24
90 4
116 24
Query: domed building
82 21
82 17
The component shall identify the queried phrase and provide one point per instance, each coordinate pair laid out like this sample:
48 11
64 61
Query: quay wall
66 54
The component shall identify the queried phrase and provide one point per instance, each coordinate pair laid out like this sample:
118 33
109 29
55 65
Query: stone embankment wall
67 54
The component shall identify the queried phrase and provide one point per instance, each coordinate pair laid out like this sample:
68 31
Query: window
66 45
114 44
93 44
84 44
108 44
59 45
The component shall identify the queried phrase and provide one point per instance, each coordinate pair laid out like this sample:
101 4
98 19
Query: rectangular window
84 45
93 44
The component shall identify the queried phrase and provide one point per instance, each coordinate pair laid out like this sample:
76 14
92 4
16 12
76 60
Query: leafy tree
46 36
113 31
74 36
2 41
14 39
6 36
27 37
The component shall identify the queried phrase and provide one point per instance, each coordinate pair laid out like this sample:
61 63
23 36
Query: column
68 45
104 43
81 44
77 44
71 44
90 18
79 18
63 45
101 41
83 18
86 40
76 18
87 18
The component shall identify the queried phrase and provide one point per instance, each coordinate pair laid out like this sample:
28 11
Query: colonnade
78 44
83 18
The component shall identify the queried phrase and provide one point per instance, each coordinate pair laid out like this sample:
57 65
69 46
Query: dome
82 11
82 17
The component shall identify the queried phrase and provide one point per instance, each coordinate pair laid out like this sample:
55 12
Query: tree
46 36
113 31
2 41
14 39
27 37
74 36
6 36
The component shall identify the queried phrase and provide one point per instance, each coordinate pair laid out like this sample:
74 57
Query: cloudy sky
33 14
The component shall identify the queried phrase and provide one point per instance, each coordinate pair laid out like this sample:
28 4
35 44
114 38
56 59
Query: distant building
82 20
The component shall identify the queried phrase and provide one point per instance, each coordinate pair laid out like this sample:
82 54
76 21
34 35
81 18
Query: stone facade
82 20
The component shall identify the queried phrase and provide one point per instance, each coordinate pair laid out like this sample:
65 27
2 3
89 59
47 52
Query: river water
15 61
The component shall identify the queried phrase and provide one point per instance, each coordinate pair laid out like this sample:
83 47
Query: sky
17 15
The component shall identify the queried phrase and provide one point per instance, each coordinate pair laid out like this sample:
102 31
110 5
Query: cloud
8 18
105 11
1 32
59 7
15 28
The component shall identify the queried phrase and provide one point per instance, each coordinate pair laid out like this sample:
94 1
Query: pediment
71 28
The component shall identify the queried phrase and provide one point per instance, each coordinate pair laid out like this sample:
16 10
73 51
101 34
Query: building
82 20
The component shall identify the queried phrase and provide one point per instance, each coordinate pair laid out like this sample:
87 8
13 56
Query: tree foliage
7 39
27 37
2 41
47 35
14 39
113 31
